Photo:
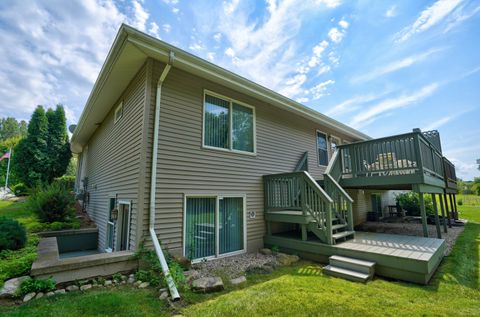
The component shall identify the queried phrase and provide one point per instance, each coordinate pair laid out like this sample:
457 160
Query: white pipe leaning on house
153 179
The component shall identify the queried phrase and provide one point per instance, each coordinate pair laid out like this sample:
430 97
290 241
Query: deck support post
445 198
455 207
452 207
442 208
304 232
437 221
423 213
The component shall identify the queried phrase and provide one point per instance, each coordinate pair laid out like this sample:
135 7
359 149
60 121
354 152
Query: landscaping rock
11 287
144 285
191 275
108 283
287 259
39 295
163 295
28 297
207 284
50 294
131 280
72 288
259 269
239 280
183 261
60 291
137 283
85 287
265 251
123 277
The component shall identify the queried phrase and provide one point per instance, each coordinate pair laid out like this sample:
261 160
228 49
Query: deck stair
349 268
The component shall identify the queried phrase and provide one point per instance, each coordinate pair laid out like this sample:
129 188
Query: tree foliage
11 128
45 152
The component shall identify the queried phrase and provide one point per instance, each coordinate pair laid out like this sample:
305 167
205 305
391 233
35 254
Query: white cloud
330 3
395 66
302 99
196 46
166 28
465 170
211 56
335 35
391 12
320 90
446 119
175 10
154 29
371 114
352 104
344 24
171 2
230 52
460 15
53 52
217 37
428 18
230 7
140 16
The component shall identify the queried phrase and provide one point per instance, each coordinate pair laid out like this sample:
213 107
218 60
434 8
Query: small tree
58 144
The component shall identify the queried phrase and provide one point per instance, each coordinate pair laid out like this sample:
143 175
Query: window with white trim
322 148
214 226
110 227
228 124
118 112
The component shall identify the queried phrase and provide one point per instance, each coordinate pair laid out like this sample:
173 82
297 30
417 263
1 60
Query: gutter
153 179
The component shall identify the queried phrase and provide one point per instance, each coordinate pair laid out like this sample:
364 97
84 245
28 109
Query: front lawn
301 290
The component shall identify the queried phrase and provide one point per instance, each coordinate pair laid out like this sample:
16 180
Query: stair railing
342 202
281 193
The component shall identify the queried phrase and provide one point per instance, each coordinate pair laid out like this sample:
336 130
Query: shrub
20 189
18 263
13 235
410 201
153 270
67 182
33 285
460 202
52 203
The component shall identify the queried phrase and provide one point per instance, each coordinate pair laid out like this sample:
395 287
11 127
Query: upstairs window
228 125
118 112
322 148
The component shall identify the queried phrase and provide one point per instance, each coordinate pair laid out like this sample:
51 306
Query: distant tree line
469 187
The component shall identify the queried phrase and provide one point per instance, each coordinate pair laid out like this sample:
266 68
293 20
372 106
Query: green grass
300 290
17 263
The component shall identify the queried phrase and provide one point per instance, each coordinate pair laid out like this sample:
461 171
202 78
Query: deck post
423 213
455 206
328 231
350 216
442 208
452 207
446 210
304 232
437 221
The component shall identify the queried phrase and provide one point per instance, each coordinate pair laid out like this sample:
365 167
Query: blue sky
383 67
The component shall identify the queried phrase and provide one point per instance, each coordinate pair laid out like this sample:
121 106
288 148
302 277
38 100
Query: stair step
342 234
346 274
361 266
338 226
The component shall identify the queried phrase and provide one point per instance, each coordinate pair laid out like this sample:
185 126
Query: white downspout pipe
153 180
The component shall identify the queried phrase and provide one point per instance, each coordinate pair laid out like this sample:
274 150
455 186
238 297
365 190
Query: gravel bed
232 266
413 229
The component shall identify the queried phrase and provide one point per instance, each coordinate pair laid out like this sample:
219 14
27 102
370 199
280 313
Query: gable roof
128 53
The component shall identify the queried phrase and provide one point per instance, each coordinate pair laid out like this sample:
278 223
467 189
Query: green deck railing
450 174
409 154
299 191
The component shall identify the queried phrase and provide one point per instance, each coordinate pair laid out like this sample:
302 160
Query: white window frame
110 223
328 147
231 101
118 109
330 137
217 197
117 240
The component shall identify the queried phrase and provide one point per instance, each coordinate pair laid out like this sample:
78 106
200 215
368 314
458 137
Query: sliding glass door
214 226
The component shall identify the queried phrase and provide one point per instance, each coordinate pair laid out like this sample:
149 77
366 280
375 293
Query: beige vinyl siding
185 167
113 159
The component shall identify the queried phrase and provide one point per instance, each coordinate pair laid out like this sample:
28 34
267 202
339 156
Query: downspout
153 180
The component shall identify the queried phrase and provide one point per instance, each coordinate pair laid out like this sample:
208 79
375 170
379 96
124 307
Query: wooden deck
407 258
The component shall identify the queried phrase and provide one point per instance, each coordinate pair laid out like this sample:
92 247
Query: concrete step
357 265
343 234
346 274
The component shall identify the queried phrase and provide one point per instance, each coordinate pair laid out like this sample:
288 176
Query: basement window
118 112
